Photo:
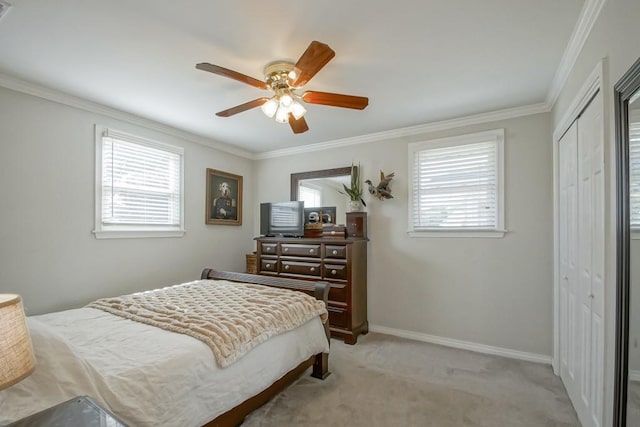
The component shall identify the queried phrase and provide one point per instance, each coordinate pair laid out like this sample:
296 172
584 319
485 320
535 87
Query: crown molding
588 17
49 94
53 95
475 119
590 87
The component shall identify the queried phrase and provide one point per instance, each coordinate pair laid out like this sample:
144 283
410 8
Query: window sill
137 234
476 234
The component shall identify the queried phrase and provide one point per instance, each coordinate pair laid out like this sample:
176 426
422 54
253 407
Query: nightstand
80 411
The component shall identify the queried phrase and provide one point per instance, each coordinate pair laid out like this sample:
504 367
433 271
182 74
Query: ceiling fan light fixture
298 110
282 115
293 74
283 79
286 101
270 107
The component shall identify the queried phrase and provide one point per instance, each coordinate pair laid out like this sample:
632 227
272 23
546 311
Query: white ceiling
417 61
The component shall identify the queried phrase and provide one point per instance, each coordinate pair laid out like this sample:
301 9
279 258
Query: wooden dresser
341 262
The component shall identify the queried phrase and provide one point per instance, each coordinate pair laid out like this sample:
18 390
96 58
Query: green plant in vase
355 190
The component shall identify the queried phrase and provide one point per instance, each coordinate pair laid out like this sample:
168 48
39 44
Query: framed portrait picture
224 198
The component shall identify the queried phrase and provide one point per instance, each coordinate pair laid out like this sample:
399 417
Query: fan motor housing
276 74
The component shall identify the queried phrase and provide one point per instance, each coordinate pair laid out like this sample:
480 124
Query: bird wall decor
382 190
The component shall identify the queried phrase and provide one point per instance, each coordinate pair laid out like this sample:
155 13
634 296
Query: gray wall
495 292
47 251
613 38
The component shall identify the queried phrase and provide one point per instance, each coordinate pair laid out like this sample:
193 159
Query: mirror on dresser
627 390
322 188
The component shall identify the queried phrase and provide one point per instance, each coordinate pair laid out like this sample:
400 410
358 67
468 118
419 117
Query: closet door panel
584 260
581 227
570 330
591 140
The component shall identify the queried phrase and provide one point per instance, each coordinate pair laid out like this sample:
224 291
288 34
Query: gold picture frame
223 198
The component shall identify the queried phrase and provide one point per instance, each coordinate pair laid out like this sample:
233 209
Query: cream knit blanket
231 318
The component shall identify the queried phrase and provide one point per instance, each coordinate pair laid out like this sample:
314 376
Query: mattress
145 375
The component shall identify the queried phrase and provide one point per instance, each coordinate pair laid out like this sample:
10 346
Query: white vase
354 206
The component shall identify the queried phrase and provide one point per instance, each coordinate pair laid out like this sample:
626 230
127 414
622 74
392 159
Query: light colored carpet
389 381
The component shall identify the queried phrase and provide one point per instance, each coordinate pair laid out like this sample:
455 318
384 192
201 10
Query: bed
149 376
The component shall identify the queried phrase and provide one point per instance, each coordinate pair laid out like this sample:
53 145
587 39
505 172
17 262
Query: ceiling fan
284 78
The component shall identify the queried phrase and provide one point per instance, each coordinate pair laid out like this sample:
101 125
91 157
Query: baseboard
464 345
634 375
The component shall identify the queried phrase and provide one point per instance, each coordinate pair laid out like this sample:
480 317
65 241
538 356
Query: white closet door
591 256
581 251
570 330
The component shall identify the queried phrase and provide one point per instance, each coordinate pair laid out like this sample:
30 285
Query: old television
282 219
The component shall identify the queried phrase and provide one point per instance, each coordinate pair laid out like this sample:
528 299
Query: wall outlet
4 8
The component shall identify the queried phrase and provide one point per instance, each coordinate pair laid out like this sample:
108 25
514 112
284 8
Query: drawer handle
335 252
268 265
333 232
286 249
312 269
313 251
333 272
286 267
268 249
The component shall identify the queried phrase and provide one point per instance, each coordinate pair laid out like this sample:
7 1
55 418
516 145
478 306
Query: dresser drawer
338 316
335 271
269 248
334 251
334 231
338 292
341 262
269 265
306 268
294 249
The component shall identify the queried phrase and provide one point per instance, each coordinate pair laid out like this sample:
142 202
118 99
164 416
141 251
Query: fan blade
298 126
312 60
336 100
231 74
242 107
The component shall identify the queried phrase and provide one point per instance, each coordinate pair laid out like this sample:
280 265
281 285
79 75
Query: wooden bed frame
320 362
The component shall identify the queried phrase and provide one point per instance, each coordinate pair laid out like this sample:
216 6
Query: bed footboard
320 290
320 362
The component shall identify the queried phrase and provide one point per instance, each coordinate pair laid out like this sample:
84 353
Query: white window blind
141 184
634 168
310 196
285 214
456 184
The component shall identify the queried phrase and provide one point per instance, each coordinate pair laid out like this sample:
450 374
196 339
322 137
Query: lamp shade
16 354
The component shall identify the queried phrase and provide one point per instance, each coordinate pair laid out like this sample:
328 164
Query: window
310 195
634 171
139 190
456 186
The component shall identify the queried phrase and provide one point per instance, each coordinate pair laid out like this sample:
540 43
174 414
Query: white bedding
145 375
